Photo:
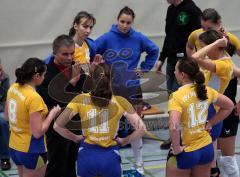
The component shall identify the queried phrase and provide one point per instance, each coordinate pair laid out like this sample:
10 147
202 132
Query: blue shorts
28 160
94 160
216 129
188 160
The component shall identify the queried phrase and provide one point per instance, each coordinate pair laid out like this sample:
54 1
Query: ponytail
71 32
29 68
200 86
191 68
102 93
21 76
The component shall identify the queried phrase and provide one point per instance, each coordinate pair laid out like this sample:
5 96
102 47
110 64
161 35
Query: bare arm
138 125
226 107
38 126
200 55
190 50
236 71
174 128
62 120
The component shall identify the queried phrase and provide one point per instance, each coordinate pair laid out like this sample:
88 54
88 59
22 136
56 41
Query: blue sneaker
132 173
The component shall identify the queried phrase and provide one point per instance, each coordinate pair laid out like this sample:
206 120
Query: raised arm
190 49
201 55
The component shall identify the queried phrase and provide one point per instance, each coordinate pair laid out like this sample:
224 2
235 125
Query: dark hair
62 41
29 68
212 15
210 36
102 93
191 68
126 10
77 19
231 49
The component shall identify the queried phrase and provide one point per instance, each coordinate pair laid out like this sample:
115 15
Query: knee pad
219 165
229 165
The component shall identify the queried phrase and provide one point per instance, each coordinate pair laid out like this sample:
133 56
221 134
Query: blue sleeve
100 44
48 59
152 51
92 48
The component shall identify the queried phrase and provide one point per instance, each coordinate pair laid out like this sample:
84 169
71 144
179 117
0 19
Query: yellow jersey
82 53
193 115
221 78
23 100
100 125
193 39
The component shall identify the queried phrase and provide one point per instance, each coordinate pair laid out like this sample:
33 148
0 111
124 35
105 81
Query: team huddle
64 112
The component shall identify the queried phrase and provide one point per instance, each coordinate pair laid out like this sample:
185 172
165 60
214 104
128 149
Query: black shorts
230 126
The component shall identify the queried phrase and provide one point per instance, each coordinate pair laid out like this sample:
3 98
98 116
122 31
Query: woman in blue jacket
121 48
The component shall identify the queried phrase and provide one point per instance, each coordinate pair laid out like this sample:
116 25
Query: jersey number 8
12 108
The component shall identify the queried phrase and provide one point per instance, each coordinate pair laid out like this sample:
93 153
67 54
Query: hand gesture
223 31
78 138
158 66
98 59
222 42
208 126
54 111
121 141
139 73
76 68
178 151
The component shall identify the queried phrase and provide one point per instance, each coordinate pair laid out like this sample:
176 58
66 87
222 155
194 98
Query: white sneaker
138 168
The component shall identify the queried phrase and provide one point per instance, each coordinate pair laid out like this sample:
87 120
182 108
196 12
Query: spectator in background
4 127
183 17
121 48
85 49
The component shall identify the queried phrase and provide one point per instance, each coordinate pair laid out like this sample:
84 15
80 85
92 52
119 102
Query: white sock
137 146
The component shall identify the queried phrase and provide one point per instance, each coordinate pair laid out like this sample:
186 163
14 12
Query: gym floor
154 158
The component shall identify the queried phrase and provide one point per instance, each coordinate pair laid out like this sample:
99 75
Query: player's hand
55 111
139 73
178 150
208 126
158 66
222 42
222 30
98 59
122 141
78 138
